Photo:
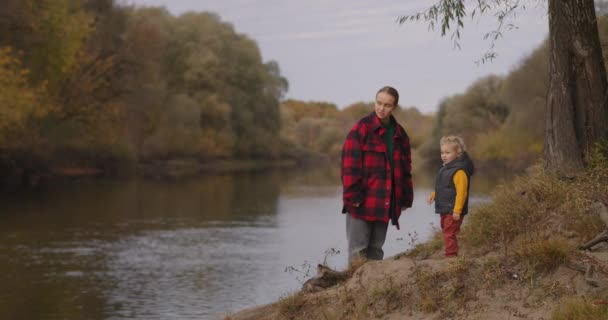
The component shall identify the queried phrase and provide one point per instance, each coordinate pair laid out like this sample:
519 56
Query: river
196 248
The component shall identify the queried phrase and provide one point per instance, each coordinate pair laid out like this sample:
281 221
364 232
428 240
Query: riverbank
526 254
18 174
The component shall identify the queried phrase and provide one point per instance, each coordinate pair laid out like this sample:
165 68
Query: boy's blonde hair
456 141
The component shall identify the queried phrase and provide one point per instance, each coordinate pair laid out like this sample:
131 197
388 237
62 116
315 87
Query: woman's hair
455 141
391 91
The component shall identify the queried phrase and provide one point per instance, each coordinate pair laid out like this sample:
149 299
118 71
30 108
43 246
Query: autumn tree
575 111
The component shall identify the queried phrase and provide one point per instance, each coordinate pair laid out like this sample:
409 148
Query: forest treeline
94 83
319 128
91 83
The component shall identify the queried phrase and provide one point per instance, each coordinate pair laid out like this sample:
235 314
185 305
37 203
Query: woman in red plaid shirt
376 177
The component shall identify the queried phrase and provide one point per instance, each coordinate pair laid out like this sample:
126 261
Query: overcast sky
343 51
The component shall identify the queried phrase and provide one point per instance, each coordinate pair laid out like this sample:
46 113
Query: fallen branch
325 278
599 238
602 211
587 265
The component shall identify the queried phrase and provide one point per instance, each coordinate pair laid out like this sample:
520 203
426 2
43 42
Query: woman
376 177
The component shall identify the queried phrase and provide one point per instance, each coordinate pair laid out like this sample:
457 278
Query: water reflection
137 249
193 249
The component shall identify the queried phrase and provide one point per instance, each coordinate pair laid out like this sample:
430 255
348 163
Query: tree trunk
577 98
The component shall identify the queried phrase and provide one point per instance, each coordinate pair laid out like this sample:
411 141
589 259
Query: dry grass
354 265
491 274
536 207
520 208
446 290
386 297
542 256
291 305
579 309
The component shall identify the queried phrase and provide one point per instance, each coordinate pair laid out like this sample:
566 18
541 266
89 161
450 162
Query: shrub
543 255
522 207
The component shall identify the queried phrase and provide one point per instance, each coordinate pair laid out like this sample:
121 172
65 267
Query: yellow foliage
19 102
505 145
300 109
64 29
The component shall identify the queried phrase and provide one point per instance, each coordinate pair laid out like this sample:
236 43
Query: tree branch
602 211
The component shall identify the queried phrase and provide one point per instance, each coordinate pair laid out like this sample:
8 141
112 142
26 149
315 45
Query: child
451 194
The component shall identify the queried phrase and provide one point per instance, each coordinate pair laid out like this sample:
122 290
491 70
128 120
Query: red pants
449 229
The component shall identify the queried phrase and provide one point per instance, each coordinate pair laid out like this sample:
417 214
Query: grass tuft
542 256
290 305
520 207
445 290
579 309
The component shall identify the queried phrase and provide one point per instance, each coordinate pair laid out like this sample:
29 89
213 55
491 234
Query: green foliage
451 14
59 32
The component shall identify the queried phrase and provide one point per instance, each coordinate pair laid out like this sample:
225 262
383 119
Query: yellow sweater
461 184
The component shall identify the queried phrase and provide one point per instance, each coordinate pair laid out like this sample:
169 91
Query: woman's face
385 104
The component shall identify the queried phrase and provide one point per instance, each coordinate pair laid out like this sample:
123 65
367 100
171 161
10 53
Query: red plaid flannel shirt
365 171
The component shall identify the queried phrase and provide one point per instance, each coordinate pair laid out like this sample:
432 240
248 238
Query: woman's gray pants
365 238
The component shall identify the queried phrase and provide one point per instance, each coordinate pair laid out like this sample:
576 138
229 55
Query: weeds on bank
542 256
424 250
579 309
290 305
354 265
536 207
492 274
446 290
520 208
386 298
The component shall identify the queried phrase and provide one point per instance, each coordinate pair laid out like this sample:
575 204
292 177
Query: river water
198 248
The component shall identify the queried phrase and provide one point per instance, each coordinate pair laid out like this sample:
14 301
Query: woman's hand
455 216
430 199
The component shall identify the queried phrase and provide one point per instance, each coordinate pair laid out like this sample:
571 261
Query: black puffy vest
445 191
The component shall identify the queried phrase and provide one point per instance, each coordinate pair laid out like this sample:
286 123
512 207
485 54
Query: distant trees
91 80
320 128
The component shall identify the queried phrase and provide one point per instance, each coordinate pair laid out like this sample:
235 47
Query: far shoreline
167 169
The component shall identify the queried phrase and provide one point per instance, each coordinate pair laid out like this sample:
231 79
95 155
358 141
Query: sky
343 51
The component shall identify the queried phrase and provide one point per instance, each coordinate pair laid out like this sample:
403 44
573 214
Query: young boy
451 194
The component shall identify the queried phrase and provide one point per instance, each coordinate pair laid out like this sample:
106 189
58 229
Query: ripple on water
175 274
